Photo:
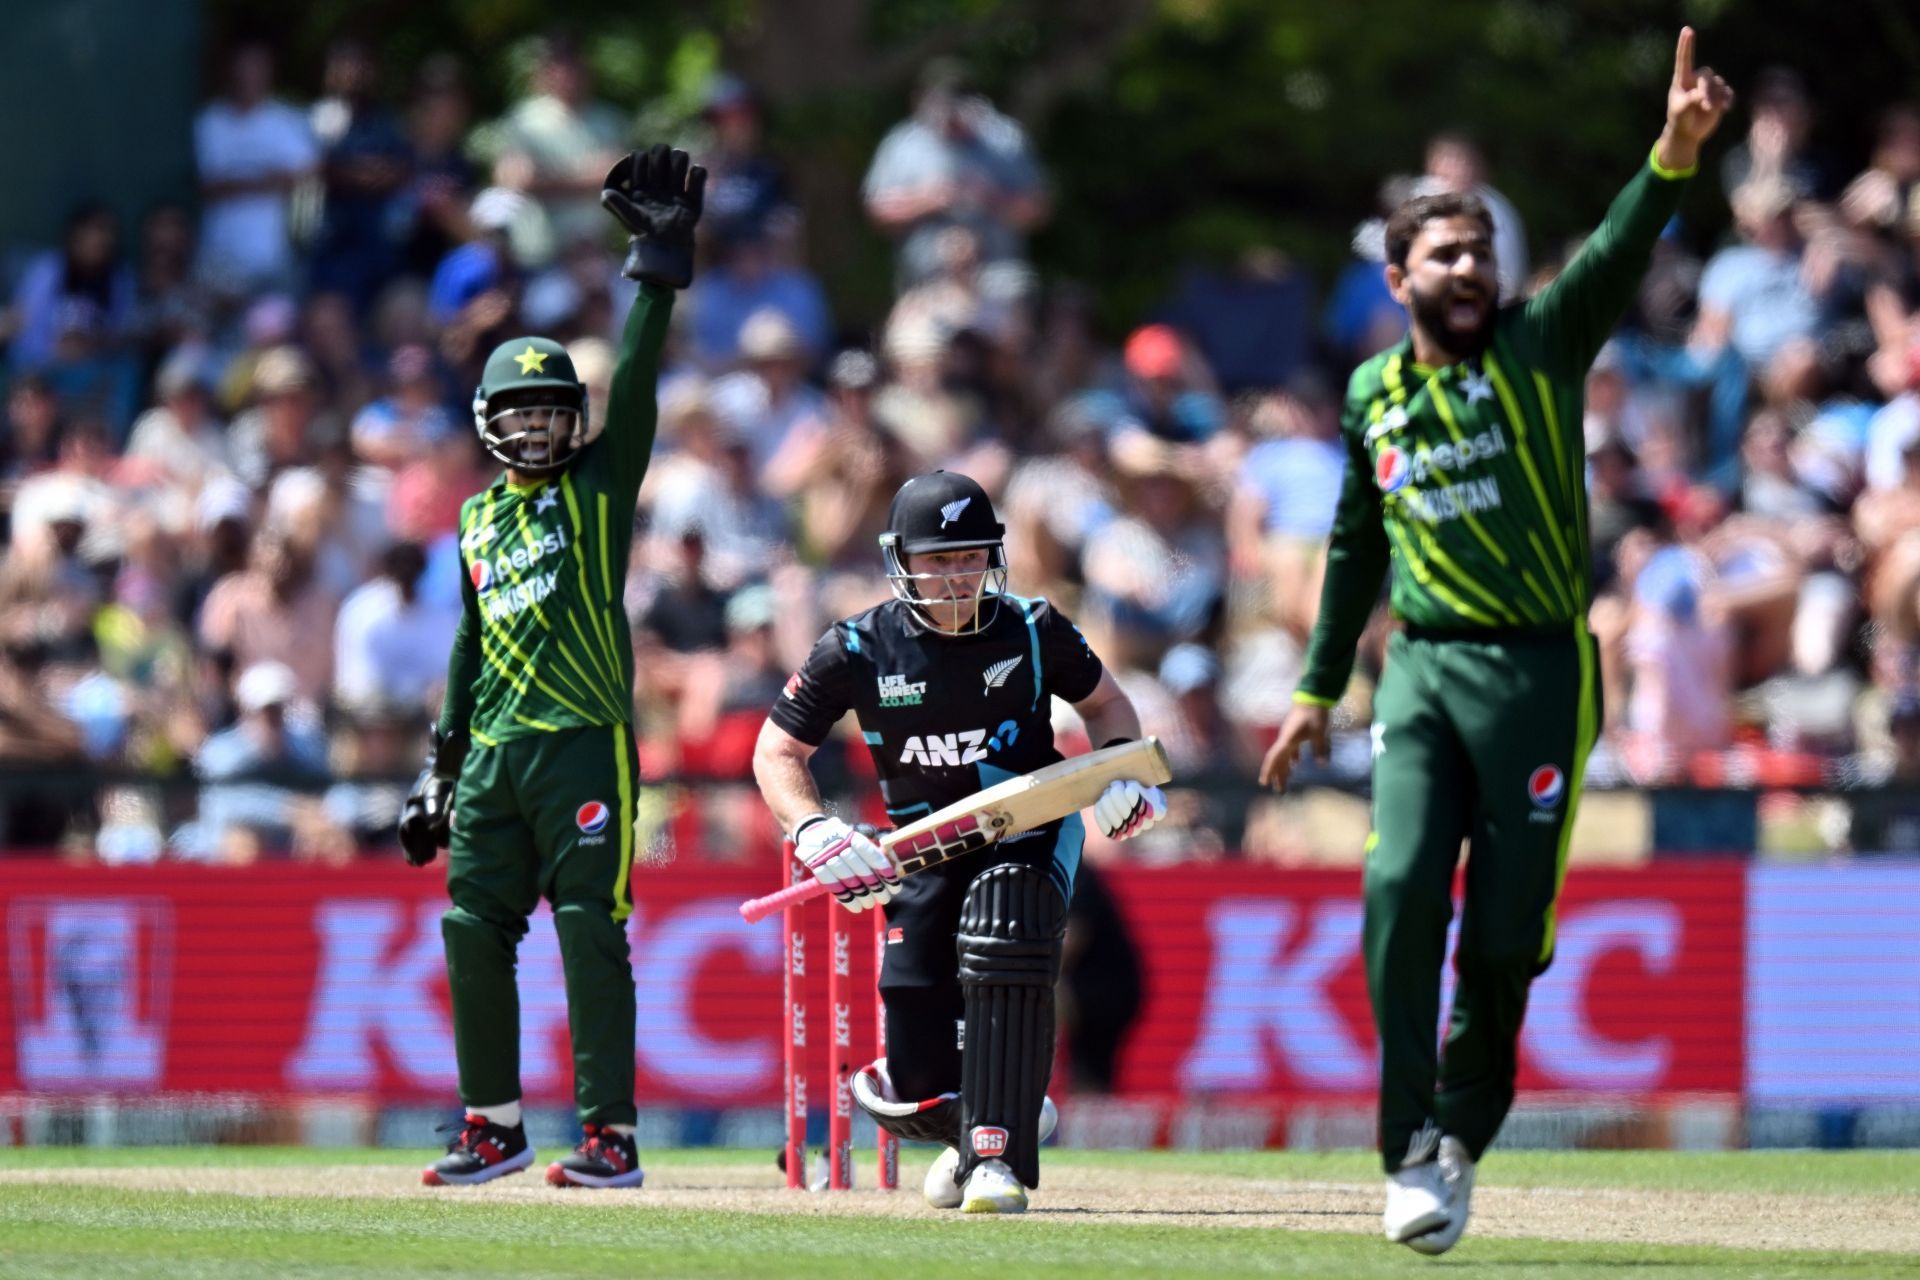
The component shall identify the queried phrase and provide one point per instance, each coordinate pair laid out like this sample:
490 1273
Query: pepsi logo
1546 786
988 1140
1392 469
591 817
482 575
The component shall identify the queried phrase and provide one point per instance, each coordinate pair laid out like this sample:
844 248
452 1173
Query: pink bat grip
754 910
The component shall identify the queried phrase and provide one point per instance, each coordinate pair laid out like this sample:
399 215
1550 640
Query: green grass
102 1233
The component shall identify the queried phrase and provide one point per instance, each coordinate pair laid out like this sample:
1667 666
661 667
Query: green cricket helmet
531 407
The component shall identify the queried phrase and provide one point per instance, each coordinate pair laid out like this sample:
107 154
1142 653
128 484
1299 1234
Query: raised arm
1573 316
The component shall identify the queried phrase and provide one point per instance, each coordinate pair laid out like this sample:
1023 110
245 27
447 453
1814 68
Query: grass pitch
232 1212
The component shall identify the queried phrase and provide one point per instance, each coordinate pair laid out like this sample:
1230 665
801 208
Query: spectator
1454 163
33 731
1779 141
409 420
746 188
390 647
1283 502
31 441
1753 296
565 140
769 397
432 209
476 289
254 773
1059 498
1883 197
955 162
360 812
181 439
1895 427
285 426
253 151
846 474
274 611
1253 324
48 593
1618 503
1171 410
678 607
344 368
710 488
746 279
1681 659
83 288
1157 574
364 162
169 308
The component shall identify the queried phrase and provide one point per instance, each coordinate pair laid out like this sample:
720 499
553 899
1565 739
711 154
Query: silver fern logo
951 512
996 675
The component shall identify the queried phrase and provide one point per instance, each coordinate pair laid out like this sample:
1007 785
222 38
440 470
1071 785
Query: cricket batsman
533 768
952 681
1465 472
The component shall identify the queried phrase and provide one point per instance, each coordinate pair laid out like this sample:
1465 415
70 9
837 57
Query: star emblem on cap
532 360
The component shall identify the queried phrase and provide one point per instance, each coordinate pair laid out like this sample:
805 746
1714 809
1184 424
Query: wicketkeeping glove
847 860
426 819
657 196
1126 808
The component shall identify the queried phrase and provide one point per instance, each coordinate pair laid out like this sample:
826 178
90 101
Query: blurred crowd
235 439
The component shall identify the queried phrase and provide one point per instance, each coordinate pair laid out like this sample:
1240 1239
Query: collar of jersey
501 482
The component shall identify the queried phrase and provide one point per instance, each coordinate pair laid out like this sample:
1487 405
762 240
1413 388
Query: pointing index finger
1683 59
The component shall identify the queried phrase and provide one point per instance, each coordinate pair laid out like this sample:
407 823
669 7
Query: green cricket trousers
1477 736
549 815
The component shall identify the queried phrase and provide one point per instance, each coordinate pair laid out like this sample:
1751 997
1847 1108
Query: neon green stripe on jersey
1423 575
605 616
1524 449
1437 554
497 628
1515 413
586 590
1576 477
533 723
622 892
588 688
1453 428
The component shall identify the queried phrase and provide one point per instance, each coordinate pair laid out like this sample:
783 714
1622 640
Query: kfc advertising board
284 980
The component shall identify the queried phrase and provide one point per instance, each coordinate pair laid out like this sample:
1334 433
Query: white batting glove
1126 808
855 869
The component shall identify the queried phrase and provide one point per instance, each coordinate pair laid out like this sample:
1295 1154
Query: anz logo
957 750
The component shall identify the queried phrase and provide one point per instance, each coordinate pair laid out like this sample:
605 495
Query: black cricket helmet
531 407
944 511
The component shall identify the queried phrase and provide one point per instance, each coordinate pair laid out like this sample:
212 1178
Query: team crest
951 512
591 818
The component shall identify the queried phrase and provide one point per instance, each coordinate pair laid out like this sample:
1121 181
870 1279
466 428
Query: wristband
804 823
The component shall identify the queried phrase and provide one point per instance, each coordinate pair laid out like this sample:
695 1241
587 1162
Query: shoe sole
1424 1225
989 1204
561 1176
432 1177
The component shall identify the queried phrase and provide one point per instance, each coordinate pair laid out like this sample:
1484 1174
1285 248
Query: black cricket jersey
943 716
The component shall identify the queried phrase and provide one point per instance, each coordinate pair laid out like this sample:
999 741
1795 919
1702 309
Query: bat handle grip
754 910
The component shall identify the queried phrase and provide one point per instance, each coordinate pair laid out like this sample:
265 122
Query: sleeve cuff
1671 175
1313 699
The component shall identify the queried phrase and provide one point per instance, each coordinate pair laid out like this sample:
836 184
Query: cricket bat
1002 810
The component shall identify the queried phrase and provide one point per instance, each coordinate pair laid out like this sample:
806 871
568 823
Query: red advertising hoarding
288 980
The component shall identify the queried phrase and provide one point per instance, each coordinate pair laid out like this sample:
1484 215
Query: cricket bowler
531 779
1465 472
953 680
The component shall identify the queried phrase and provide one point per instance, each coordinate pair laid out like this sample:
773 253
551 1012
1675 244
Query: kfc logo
91 980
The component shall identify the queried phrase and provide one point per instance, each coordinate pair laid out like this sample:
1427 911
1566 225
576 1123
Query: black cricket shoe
480 1152
603 1159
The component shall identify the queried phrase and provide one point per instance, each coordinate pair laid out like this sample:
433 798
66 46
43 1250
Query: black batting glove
426 819
657 195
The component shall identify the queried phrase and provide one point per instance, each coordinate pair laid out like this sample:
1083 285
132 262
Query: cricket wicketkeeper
1466 474
953 682
532 776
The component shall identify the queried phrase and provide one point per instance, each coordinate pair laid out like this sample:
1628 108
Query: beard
1433 312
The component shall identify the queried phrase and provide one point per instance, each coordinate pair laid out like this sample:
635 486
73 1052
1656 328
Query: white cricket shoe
940 1189
1456 1175
992 1188
1416 1202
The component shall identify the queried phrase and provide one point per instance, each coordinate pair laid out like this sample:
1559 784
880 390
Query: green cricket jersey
543 642
1470 480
